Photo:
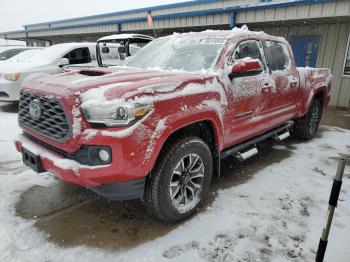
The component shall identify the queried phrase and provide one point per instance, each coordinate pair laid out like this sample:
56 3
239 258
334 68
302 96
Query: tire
172 193
306 127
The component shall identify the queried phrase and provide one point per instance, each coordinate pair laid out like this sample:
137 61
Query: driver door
249 95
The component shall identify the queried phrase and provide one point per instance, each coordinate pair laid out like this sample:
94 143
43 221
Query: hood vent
91 73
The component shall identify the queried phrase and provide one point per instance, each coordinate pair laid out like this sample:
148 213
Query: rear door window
277 56
346 71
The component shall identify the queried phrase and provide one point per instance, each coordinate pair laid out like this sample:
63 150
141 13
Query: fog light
103 155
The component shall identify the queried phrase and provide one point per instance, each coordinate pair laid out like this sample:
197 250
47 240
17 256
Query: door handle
266 87
293 83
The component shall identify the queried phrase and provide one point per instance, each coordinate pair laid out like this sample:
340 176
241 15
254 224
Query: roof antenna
244 27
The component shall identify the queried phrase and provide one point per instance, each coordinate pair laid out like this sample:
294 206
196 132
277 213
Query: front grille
52 121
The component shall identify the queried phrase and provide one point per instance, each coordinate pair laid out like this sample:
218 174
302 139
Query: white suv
50 60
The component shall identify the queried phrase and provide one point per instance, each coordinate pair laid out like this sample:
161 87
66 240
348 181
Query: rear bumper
71 171
9 90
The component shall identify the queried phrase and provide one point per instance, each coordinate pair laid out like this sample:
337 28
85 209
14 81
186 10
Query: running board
245 147
247 154
281 137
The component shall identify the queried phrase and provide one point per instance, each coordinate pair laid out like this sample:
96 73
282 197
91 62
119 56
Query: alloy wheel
186 182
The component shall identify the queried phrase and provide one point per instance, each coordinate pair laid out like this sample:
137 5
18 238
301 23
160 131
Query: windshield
10 53
179 53
110 55
24 56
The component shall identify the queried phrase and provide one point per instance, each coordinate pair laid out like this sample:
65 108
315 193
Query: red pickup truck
157 128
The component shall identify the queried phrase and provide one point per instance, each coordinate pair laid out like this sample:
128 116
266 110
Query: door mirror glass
105 50
122 50
63 62
245 67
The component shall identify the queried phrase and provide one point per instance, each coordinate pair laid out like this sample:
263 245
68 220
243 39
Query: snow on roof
222 33
54 52
227 34
125 36
67 45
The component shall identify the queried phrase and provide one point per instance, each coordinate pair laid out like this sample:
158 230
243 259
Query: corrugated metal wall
334 9
164 11
331 53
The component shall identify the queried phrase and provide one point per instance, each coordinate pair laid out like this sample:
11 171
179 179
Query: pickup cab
157 128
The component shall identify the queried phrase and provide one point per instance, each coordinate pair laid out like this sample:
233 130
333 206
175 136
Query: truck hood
99 88
113 83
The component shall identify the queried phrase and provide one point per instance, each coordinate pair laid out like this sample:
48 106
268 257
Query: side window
79 56
92 51
134 50
277 56
245 49
346 71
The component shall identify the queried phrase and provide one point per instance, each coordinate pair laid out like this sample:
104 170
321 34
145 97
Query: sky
16 13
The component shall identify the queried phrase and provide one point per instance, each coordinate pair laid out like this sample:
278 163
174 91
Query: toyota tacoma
156 128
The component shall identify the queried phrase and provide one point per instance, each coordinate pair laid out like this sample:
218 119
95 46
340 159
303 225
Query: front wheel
307 126
180 181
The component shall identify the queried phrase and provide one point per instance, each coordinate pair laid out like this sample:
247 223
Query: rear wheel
180 181
307 126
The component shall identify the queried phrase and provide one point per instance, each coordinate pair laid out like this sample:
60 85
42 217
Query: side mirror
245 67
105 50
63 62
122 50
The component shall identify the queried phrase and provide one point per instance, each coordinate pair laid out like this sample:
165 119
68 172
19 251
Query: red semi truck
157 128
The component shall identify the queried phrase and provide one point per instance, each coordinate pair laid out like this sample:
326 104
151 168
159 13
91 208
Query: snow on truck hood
114 84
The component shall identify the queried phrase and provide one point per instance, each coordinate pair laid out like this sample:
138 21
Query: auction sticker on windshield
213 41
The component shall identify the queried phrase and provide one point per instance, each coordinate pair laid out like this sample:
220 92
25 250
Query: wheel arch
205 129
320 94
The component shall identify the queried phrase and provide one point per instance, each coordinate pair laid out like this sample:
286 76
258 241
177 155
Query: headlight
113 115
11 77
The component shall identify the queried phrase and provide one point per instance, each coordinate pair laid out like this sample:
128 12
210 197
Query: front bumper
93 177
9 90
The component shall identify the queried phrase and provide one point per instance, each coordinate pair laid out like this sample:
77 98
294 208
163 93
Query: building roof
116 20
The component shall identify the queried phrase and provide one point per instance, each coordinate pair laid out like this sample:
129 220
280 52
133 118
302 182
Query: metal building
318 30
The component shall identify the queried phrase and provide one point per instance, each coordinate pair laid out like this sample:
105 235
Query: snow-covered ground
277 215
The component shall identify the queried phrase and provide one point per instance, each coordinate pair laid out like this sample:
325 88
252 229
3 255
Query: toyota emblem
35 109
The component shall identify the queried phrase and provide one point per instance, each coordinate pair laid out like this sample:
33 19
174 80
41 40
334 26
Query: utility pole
333 201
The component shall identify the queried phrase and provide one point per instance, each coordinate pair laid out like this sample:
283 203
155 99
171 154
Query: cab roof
117 37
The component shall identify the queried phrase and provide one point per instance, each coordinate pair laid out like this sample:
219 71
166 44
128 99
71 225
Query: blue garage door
305 49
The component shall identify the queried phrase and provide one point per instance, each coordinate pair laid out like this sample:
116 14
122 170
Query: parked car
157 128
7 52
48 61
